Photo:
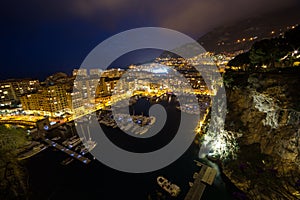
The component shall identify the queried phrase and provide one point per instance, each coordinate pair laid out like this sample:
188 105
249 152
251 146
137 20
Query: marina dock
68 151
205 176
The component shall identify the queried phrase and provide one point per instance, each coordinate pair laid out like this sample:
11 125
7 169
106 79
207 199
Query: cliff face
265 109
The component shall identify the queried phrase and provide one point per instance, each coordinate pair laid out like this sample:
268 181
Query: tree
270 52
241 60
12 175
266 52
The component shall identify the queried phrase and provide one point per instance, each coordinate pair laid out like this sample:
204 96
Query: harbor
80 176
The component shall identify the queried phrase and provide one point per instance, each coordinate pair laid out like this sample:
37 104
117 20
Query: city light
160 70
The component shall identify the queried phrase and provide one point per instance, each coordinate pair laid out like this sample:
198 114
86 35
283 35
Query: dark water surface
50 180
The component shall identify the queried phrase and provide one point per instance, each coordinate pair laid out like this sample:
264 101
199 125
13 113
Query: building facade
48 100
12 90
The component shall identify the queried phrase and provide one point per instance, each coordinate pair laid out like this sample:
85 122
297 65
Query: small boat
88 146
55 138
195 175
171 188
67 161
35 150
78 148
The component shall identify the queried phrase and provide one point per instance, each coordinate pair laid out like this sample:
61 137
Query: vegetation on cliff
13 184
269 54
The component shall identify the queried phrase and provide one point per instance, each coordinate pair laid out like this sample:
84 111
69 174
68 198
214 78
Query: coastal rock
264 107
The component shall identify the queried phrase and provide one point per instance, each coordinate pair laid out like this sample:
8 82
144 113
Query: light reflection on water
50 180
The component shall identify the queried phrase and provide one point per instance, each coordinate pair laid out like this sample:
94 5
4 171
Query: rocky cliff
265 109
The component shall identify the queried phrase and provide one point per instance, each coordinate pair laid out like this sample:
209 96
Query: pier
68 151
205 176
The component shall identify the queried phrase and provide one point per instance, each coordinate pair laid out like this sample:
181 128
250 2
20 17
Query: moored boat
171 188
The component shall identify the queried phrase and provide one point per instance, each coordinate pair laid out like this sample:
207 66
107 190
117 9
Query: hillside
264 109
229 37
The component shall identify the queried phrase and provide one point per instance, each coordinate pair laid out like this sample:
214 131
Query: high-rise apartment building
11 90
49 100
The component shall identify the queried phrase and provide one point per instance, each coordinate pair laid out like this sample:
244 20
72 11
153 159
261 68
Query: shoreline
230 186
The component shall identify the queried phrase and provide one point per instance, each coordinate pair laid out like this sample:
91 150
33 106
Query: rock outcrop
265 108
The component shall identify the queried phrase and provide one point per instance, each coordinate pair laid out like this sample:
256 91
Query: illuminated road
31 120
202 121
20 119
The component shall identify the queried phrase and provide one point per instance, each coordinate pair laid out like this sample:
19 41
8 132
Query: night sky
41 37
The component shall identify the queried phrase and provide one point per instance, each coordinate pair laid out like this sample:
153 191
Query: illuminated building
92 83
113 73
96 72
79 72
75 101
12 90
49 100
101 90
108 82
7 94
80 83
31 101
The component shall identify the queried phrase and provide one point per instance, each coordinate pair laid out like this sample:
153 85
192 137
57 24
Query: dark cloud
45 35
205 15
187 16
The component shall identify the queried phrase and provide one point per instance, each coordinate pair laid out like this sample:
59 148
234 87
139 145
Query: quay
205 176
35 150
68 151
